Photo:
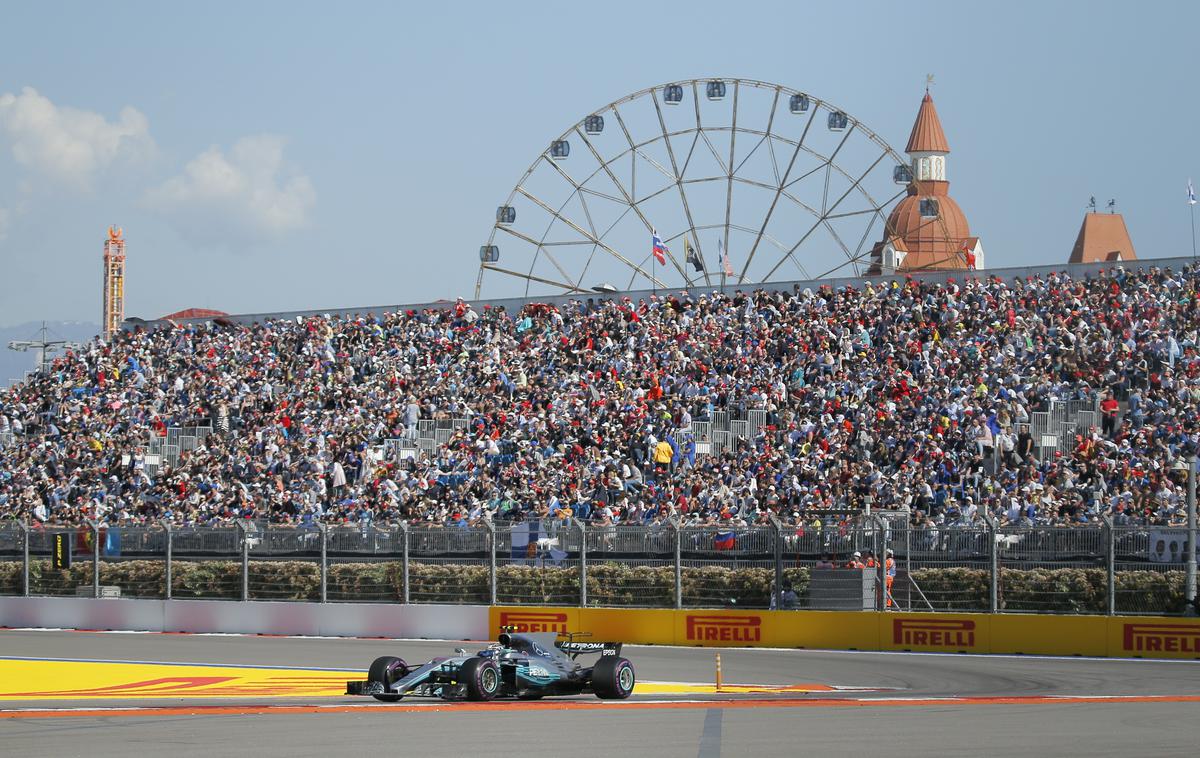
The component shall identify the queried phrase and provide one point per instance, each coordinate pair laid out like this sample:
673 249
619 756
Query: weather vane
928 81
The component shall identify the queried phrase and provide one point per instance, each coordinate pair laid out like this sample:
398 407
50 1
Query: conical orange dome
927 135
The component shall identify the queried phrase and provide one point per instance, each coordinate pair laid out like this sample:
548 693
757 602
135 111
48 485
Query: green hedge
609 584
1064 590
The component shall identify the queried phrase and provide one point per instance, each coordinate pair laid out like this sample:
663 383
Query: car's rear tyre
387 670
482 677
613 678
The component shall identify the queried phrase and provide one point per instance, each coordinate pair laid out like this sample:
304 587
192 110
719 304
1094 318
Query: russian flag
659 249
724 541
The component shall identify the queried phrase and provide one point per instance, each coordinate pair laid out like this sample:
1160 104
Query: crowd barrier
462 622
1112 636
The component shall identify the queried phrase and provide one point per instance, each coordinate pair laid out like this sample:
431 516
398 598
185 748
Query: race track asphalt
916 704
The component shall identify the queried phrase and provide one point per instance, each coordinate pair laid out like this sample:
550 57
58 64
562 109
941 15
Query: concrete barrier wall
467 622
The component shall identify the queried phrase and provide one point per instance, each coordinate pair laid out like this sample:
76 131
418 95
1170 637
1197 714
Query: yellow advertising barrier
935 632
1151 637
809 629
655 626
1116 636
1049 635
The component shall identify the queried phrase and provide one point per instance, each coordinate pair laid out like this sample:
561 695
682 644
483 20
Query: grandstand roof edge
513 303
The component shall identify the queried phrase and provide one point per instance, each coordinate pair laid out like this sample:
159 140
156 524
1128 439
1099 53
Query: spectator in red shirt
1108 409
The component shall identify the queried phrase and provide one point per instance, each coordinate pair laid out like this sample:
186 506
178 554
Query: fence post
1189 584
993 565
678 564
324 529
245 531
491 528
167 566
777 539
908 580
404 553
24 557
1110 562
95 527
583 598
880 547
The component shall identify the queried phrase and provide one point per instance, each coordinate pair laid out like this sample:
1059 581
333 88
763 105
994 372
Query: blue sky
266 156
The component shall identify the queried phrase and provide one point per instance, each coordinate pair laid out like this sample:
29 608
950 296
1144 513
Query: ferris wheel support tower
114 282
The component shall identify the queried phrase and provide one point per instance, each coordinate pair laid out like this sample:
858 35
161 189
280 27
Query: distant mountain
14 365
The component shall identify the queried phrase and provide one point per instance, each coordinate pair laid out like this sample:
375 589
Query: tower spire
927 135
927 230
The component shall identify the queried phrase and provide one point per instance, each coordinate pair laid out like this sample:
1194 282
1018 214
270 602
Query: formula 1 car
523 666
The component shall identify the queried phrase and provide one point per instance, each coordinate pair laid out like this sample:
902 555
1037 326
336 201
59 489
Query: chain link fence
1102 569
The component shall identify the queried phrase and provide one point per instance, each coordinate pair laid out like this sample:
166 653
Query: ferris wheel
742 181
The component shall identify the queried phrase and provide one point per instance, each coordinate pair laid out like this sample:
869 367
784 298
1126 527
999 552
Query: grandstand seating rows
917 395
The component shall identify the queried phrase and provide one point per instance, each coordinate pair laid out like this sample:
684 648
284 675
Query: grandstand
955 400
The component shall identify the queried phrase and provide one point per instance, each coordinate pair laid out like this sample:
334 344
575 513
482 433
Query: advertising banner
1152 637
935 632
1169 546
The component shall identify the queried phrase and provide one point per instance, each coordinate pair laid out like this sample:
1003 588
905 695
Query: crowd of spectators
908 395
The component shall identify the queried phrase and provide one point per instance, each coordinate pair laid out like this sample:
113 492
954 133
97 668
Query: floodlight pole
44 347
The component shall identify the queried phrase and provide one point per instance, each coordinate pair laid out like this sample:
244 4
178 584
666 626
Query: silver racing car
523 666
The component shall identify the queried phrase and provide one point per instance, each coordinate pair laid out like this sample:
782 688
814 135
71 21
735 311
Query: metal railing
166 449
1104 569
1055 428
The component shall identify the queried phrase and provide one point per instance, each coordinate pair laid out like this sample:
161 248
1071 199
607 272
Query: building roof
194 313
927 135
1103 237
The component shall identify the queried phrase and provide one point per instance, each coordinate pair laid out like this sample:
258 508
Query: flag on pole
659 249
726 266
1191 193
691 256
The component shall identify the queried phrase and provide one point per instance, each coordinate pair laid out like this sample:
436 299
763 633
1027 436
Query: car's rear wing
573 648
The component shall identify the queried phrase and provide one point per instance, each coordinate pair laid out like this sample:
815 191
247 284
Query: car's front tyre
613 678
387 670
482 677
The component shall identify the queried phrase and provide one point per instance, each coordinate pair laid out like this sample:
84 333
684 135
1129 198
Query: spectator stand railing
978 567
166 449
723 429
1055 428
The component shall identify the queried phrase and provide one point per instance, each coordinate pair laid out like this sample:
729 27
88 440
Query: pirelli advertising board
1154 638
1115 636
934 633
